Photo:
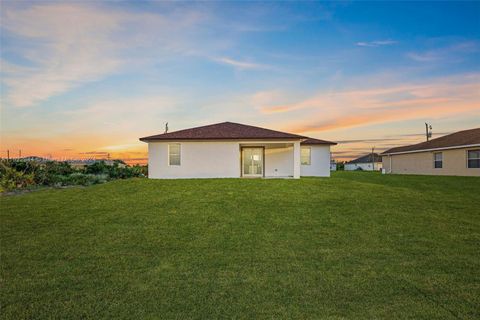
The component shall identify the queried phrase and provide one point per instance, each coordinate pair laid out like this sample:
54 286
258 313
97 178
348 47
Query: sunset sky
87 79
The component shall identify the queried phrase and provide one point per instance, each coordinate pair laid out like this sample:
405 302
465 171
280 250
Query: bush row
20 174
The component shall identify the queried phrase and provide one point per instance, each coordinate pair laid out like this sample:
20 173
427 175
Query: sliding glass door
252 162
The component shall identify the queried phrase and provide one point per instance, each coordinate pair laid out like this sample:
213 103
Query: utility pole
428 131
8 154
19 153
373 159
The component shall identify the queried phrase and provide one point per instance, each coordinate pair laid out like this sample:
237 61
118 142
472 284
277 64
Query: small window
438 160
174 154
305 156
473 157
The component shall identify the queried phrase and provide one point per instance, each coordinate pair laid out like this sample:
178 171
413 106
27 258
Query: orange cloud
276 109
78 146
380 116
376 105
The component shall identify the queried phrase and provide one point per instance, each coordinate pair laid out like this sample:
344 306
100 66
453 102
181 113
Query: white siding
319 163
198 160
296 160
221 159
279 162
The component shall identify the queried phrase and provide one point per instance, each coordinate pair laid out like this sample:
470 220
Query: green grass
357 245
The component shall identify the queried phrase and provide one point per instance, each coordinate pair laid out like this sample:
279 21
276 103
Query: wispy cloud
390 138
106 125
428 56
376 43
270 101
241 65
451 53
60 46
69 44
365 140
343 109
119 116
96 153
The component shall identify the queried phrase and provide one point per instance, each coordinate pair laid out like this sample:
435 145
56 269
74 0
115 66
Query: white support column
296 160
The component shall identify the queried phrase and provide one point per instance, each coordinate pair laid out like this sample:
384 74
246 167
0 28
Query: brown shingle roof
223 131
461 138
313 141
367 158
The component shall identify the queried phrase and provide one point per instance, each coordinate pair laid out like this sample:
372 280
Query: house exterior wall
296 160
454 163
364 166
221 159
319 162
279 162
198 160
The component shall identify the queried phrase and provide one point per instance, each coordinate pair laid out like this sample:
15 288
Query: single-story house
456 154
333 165
82 163
233 150
369 162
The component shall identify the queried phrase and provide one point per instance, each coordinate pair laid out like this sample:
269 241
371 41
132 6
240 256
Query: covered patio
270 159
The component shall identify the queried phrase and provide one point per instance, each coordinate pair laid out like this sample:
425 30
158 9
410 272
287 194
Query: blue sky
90 78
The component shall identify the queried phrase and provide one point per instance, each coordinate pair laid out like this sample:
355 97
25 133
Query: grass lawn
357 245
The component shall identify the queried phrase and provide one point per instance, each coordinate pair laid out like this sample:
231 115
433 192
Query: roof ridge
224 130
180 130
424 145
248 125
367 157
310 140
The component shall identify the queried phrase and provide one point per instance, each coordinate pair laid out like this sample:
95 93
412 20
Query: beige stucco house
456 154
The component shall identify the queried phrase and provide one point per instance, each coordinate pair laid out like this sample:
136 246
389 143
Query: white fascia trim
433 149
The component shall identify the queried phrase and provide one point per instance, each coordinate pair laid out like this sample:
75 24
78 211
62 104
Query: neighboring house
333 165
456 154
369 162
232 150
82 163
34 159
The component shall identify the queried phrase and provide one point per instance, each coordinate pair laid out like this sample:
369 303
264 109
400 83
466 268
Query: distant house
455 154
369 162
233 150
333 165
81 163
34 159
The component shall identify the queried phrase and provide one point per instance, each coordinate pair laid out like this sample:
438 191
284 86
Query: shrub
99 167
15 174
340 166
79 178
58 168
12 179
83 179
